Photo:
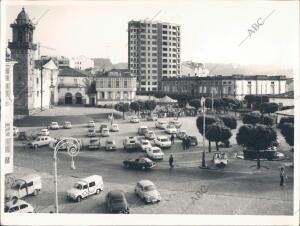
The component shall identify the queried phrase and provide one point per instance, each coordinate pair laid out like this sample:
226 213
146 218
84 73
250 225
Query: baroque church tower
23 51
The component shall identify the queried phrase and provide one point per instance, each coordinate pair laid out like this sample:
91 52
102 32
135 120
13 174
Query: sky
210 31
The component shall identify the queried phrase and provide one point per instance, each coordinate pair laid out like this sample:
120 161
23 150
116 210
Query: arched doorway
78 97
68 98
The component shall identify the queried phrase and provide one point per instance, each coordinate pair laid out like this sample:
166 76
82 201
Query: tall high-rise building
153 52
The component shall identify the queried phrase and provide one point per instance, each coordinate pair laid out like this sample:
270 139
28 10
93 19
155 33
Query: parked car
139 163
150 135
116 202
130 144
181 134
41 141
269 154
162 142
18 206
134 119
91 123
220 159
144 144
142 130
152 117
171 129
161 124
192 140
44 132
94 143
104 132
155 153
176 123
86 187
114 128
28 185
110 145
67 125
91 132
102 126
54 125
147 191
15 132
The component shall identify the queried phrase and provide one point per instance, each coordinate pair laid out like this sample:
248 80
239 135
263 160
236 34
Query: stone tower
23 50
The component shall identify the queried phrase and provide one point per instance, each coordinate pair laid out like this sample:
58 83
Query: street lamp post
73 147
203 153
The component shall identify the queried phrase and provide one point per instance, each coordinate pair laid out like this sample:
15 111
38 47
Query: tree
250 99
196 103
208 121
256 138
217 132
229 121
149 105
136 106
122 107
266 120
284 120
287 130
252 118
269 108
218 103
208 102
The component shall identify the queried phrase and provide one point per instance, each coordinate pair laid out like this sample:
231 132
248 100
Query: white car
155 153
142 130
67 125
18 206
41 141
144 145
171 129
134 119
147 191
44 132
104 132
181 134
150 135
175 123
114 128
162 142
54 125
161 124
91 123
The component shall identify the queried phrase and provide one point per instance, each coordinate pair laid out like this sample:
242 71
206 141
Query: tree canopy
122 107
287 130
229 121
268 107
196 103
217 132
252 118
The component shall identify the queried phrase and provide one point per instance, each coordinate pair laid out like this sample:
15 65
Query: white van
86 187
27 185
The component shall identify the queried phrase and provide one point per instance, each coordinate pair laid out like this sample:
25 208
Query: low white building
114 86
72 86
81 63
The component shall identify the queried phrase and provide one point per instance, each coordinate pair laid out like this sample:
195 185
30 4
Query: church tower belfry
23 51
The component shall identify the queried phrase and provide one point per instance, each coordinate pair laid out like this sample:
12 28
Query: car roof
145 182
162 137
155 148
90 178
162 121
143 127
29 177
116 193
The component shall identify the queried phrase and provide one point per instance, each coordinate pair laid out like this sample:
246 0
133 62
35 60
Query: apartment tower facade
153 52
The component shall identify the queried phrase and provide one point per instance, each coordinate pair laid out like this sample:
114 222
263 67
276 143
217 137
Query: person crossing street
171 160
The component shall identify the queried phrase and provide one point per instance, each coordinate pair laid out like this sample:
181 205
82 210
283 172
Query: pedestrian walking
172 138
187 141
282 177
184 143
171 160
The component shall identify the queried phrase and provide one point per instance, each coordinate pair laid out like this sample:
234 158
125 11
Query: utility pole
212 99
203 153
41 84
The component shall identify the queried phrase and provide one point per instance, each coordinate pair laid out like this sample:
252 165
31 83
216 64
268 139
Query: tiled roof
71 72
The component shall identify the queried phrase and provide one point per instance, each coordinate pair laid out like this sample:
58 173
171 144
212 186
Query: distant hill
250 69
120 66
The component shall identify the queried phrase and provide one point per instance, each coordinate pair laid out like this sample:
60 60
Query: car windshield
132 141
109 142
164 140
118 201
93 141
77 186
156 151
150 188
145 143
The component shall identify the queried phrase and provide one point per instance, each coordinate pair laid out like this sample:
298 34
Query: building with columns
34 81
114 86
225 86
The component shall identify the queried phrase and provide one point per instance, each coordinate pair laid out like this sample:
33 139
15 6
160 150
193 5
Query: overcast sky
210 31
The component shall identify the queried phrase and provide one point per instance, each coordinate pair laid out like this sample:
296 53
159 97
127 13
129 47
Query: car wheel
36 192
35 146
78 199
97 191
143 167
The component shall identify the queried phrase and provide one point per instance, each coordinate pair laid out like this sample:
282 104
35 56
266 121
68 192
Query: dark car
192 140
116 202
139 163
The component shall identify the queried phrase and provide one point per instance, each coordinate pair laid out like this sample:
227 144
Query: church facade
35 81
